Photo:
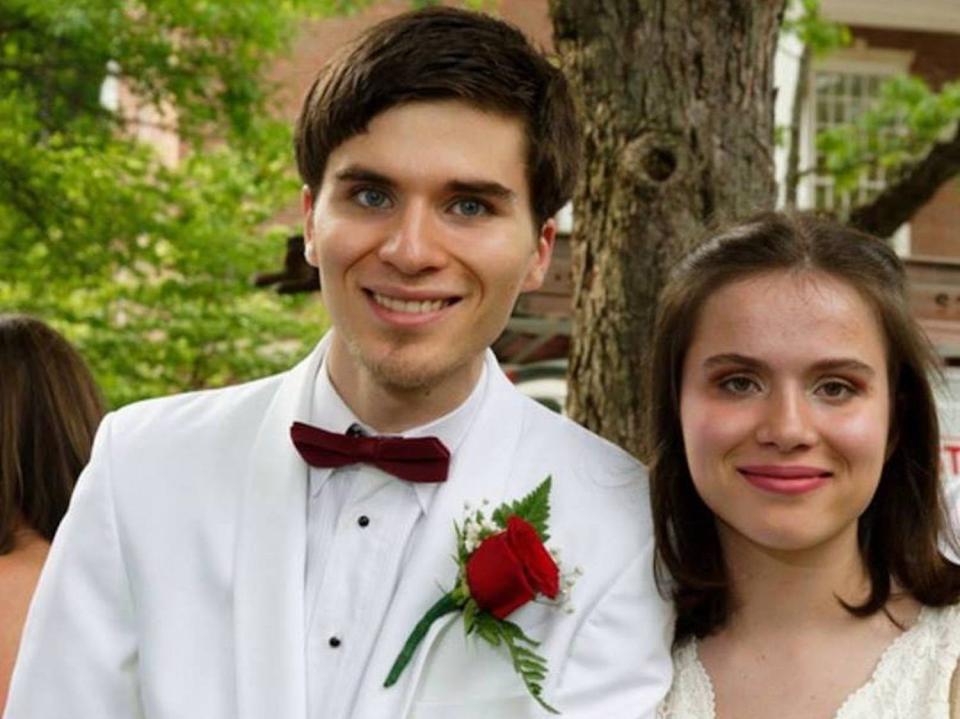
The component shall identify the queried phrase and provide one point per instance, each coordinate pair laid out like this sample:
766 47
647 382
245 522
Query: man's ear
541 259
309 251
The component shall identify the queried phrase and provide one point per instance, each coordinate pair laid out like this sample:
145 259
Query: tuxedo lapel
480 469
270 556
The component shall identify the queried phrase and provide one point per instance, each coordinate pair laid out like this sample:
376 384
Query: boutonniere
503 563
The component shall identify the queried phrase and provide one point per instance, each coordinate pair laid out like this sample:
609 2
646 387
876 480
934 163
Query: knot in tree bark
652 159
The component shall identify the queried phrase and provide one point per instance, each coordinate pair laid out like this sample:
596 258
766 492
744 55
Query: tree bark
918 183
677 103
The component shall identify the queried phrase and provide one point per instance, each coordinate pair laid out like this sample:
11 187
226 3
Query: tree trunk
677 103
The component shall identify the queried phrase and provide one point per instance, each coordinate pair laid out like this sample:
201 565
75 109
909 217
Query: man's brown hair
50 408
899 533
446 54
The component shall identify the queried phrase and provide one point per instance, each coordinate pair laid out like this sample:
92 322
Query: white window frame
860 60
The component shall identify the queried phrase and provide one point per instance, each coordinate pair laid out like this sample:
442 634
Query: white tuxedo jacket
175 586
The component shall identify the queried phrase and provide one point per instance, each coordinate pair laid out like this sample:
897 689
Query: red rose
509 568
538 565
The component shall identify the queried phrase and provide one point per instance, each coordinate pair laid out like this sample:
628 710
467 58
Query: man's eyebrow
483 188
357 173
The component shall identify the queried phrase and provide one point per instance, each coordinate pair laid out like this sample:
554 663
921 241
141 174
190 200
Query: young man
206 570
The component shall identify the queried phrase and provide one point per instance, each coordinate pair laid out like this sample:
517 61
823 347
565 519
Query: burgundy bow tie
418 459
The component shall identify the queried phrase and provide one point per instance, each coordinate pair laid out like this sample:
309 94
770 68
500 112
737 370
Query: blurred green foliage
146 267
897 131
821 36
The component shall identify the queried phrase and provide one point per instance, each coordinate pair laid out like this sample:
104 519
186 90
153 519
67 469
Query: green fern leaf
531 667
534 508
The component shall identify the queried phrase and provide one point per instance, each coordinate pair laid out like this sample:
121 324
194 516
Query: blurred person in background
50 408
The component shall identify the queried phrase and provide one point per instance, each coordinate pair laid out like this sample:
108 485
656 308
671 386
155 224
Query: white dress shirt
362 526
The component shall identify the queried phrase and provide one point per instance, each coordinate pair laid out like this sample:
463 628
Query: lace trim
913 675
691 695
911 679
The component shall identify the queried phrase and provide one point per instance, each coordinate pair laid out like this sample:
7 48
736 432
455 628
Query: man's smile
411 306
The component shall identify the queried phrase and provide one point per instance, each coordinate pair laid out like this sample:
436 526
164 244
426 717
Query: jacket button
334 642
364 520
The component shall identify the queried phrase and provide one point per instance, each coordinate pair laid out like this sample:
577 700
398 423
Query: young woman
795 482
49 411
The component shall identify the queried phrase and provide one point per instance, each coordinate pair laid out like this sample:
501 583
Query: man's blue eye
372 198
470 208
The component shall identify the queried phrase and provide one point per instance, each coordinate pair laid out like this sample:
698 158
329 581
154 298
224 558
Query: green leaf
470 610
534 508
811 28
531 667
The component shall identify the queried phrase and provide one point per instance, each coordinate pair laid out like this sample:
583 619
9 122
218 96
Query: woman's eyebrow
729 358
831 364
848 364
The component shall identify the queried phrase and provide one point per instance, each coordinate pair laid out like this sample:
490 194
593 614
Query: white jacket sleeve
78 655
619 664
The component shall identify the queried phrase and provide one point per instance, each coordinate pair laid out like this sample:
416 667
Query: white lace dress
911 680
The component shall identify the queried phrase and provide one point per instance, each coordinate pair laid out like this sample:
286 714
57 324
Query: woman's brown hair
50 408
900 531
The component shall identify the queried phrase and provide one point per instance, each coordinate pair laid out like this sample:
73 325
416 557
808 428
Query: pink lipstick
785 478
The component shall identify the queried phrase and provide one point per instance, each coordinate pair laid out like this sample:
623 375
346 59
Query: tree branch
898 203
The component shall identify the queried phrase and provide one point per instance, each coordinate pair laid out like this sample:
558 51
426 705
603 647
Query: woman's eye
835 389
470 208
374 199
738 385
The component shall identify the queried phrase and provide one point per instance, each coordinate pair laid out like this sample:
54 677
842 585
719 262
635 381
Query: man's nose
787 423
415 241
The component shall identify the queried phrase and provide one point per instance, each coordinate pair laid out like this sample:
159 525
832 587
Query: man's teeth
409 306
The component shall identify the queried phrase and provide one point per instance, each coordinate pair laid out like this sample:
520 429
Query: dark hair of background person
446 54
898 533
50 408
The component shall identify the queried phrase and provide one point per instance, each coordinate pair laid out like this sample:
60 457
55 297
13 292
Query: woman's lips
785 479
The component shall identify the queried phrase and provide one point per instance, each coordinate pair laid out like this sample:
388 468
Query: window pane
840 97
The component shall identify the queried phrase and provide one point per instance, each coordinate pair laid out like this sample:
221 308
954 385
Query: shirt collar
331 413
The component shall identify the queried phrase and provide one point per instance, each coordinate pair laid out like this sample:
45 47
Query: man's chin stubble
403 376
